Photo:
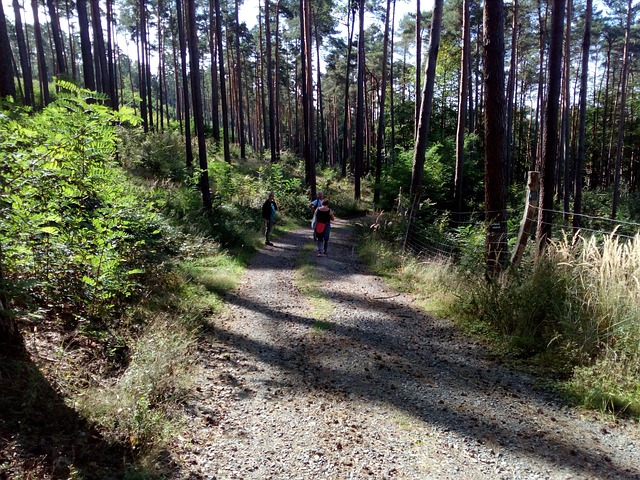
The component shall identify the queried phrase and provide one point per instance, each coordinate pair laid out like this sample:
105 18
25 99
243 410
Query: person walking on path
324 216
269 208
315 205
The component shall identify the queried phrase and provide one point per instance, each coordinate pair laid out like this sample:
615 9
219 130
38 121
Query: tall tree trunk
7 88
161 67
176 77
474 102
185 85
495 139
272 115
101 55
25 64
539 132
295 134
246 81
142 60
511 87
550 136
215 95
276 84
223 85
420 151
57 36
383 92
231 91
196 91
418 66
584 73
608 165
113 72
241 128
307 95
360 115
72 54
42 62
623 106
165 83
565 154
346 131
602 177
321 121
10 338
264 142
462 106
391 89
147 69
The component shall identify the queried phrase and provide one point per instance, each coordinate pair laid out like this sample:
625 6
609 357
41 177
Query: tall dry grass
604 288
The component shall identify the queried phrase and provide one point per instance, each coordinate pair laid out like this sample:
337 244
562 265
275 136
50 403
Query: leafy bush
611 383
525 306
291 195
75 238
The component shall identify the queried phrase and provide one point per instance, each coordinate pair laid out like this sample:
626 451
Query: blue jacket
266 209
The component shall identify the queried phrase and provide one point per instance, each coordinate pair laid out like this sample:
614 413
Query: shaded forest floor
318 370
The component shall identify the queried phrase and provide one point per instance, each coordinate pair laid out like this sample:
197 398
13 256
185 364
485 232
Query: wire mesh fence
445 234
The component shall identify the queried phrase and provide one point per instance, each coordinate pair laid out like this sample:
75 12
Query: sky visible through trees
247 15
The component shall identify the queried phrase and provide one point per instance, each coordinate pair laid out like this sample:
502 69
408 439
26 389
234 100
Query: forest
491 149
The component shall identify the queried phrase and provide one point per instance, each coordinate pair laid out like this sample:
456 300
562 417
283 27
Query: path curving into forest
386 391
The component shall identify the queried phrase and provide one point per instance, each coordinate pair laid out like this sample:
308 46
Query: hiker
324 216
317 203
269 208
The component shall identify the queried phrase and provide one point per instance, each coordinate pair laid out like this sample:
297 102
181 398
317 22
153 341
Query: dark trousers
267 230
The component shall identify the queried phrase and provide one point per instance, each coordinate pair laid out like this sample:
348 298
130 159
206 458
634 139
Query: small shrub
611 384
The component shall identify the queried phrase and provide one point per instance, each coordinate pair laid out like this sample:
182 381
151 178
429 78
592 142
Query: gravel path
385 391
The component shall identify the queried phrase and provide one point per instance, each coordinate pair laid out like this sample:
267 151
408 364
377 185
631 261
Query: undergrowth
571 315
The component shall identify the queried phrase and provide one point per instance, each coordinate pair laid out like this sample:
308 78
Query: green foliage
380 247
470 240
611 384
156 155
290 192
397 176
387 227
433 281
339 192
525 307
75 237
572 312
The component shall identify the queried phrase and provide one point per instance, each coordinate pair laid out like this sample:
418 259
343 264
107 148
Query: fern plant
75 239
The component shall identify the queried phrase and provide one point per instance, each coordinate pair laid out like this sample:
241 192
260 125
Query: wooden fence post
530 212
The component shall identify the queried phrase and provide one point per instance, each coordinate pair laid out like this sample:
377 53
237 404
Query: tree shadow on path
423 367
42 436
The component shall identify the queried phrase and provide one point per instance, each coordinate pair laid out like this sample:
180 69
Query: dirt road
376 389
